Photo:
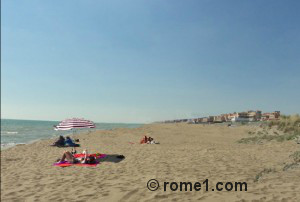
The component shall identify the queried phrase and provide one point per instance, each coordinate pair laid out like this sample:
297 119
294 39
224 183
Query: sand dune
186 153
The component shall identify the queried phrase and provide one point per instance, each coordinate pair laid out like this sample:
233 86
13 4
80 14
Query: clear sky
144 61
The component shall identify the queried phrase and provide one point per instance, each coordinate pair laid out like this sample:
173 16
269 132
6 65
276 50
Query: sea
14 132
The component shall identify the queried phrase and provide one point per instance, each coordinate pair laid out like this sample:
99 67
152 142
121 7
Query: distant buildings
271 116
248 116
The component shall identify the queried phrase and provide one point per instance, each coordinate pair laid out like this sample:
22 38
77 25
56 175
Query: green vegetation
259 133
296 156
260 174
289 125
289 166
295 163
263 138
290 130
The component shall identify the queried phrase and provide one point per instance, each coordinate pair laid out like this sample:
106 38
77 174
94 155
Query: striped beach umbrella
74 123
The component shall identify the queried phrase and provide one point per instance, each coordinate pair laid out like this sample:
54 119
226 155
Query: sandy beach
186 153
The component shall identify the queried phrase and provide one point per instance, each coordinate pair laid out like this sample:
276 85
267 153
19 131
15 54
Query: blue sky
144 61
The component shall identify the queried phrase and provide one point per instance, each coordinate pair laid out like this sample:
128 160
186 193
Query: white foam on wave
8 145
9 132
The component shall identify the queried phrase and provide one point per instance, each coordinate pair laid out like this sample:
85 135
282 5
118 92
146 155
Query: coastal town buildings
271 116
248 116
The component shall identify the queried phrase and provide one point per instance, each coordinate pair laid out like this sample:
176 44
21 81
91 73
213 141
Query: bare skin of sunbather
70 158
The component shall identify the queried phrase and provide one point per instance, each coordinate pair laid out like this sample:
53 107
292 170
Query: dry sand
186 153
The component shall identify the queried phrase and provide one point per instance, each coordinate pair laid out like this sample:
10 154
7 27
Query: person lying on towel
69 157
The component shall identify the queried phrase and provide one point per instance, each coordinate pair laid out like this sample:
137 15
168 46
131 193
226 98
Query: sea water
15 132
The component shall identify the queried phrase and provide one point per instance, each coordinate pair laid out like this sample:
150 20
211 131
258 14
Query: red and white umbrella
75 123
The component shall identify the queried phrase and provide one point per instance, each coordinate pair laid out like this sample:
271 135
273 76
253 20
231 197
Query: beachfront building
211 119
219 119
204 120
254 115
190 121
240 117
271 116
246 116
230 116
226 117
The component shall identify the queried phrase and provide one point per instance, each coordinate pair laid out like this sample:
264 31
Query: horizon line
62 120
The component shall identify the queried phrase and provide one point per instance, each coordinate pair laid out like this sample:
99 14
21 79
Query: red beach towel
67 164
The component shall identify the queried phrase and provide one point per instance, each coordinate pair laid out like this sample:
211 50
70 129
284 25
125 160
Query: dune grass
263 172
296 156
295 163
289 125
290 130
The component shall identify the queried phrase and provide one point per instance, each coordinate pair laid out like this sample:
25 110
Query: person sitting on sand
149 140
68 156
144 140
69 142
60 142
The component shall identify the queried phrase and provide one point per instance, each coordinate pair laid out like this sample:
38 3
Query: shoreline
13 144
